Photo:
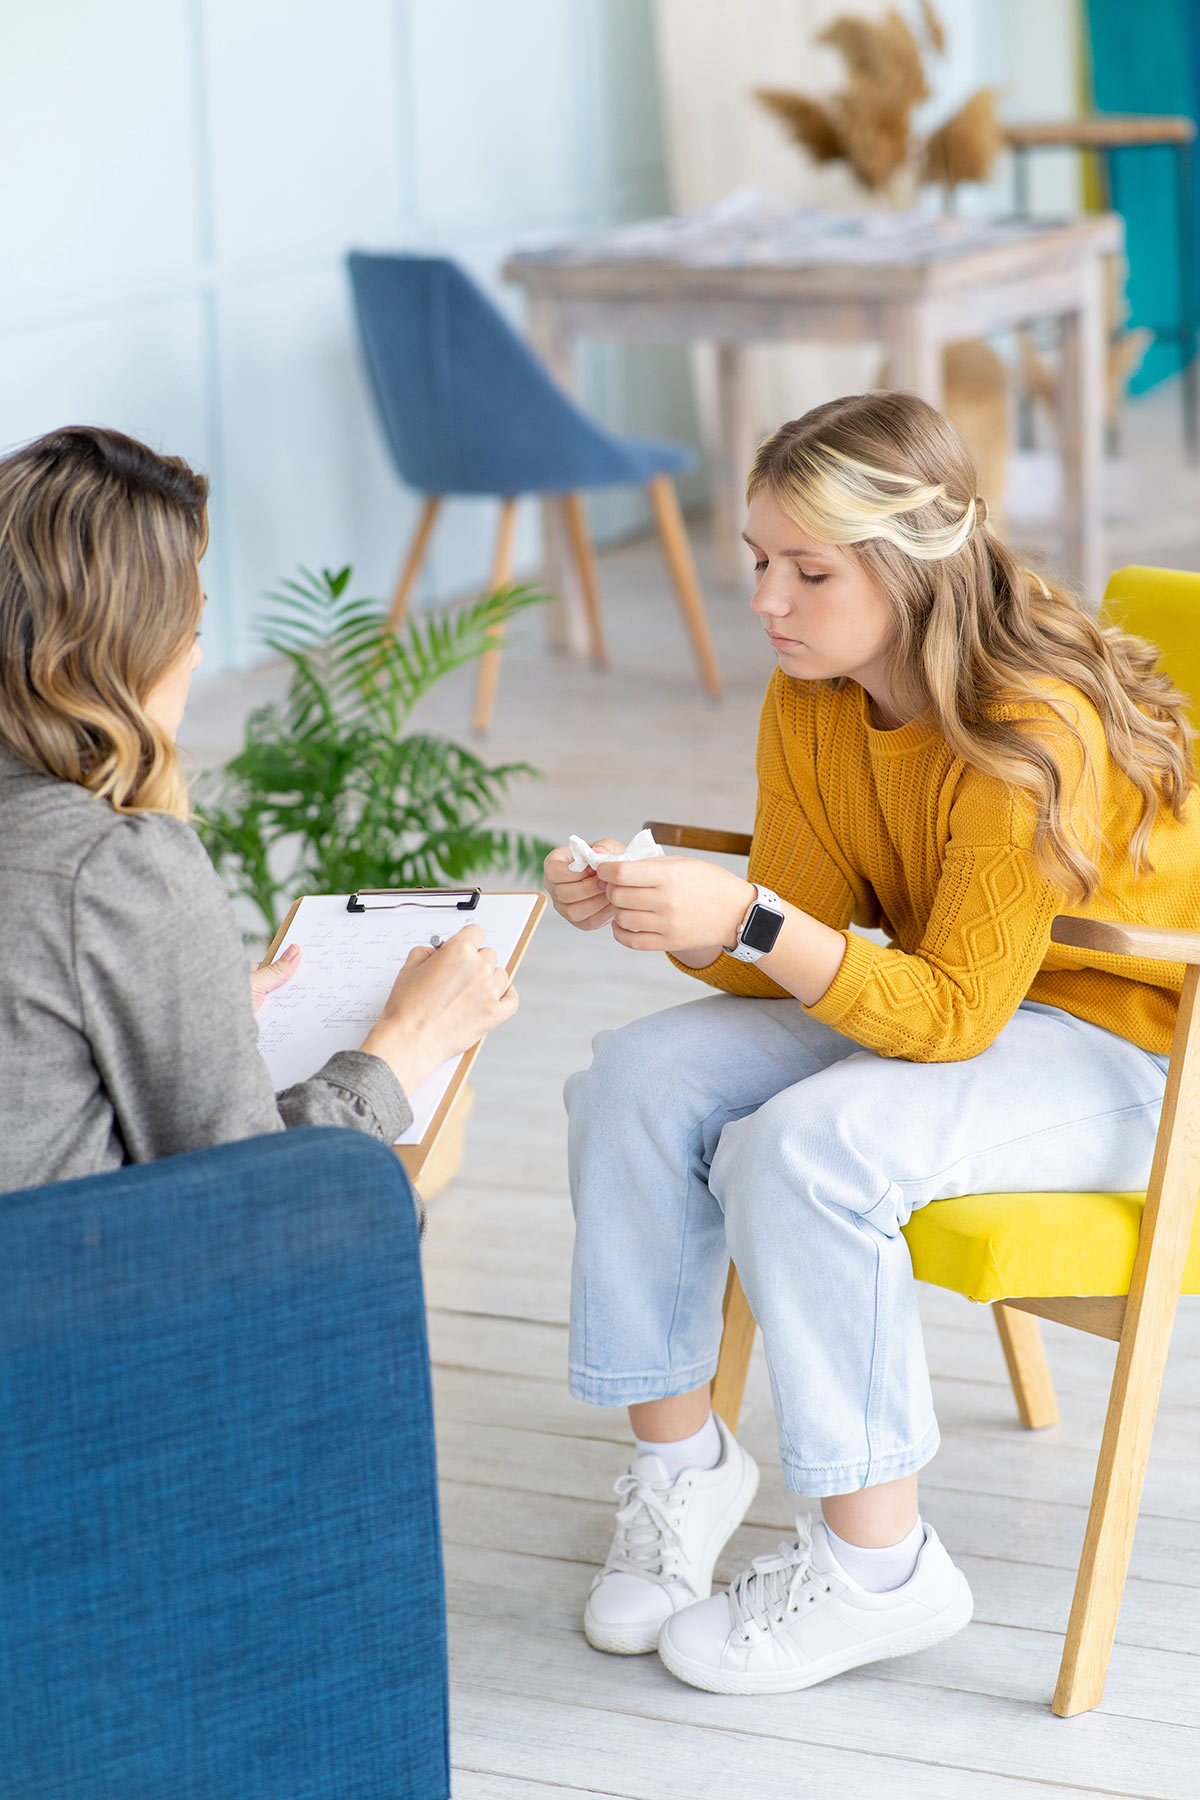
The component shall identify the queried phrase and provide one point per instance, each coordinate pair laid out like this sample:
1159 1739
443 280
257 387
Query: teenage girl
955 752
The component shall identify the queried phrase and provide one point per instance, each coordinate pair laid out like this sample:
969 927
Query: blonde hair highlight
99 597
887 478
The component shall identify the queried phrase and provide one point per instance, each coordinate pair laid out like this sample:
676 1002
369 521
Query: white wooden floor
527 1472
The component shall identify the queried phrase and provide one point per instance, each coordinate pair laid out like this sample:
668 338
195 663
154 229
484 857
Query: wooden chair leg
678 552
412 566
1158 1267
1112 1518
1028 1370
737 1341
489 667
575 514
558 614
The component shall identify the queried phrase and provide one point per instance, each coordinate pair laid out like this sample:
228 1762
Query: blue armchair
220 1569
467 408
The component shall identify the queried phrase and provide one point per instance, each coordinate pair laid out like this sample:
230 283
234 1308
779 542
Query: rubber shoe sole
640 1640
621 1640
953 1616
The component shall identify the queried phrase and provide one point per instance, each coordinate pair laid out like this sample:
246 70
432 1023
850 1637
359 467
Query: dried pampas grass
875 134
935 31
807 121
882 56
869 123
967 144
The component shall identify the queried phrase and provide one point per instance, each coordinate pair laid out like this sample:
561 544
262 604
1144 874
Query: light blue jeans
744 1128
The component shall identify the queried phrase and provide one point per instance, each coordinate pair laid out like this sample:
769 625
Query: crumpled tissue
637 850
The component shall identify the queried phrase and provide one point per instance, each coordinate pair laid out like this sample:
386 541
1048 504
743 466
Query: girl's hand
580 899
265 977
442 1002
677 903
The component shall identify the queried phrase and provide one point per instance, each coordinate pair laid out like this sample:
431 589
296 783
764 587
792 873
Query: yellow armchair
1113 1265
1164 606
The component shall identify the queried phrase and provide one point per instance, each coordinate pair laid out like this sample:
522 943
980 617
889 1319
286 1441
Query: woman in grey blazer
126 1028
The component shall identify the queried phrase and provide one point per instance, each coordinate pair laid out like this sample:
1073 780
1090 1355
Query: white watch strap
763 896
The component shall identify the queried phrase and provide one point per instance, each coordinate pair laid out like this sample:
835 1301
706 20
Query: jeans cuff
632 1389
818 1480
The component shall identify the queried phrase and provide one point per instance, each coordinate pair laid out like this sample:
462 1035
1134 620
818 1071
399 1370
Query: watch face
761 929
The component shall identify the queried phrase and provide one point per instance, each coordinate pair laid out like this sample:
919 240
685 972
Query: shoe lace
647 1539
769 1590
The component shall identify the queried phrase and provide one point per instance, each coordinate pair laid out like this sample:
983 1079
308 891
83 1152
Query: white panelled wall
185 178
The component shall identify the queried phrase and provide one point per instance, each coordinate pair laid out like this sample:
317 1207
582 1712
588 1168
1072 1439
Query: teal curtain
1146 59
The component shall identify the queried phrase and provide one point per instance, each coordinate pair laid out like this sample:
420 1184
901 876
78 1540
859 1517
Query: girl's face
824 616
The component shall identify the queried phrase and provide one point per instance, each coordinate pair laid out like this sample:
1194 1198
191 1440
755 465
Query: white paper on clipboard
347 966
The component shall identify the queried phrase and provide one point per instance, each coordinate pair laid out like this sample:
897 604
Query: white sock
700 1451
879 1571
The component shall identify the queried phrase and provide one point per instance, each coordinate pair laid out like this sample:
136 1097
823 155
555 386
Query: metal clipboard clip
387 899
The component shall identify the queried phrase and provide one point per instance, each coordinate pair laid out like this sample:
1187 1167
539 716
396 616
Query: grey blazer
125 1024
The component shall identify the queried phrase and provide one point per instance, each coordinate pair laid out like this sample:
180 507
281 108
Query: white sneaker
669 1535
796 1618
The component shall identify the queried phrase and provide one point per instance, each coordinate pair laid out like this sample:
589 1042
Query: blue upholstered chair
468 409
220 1570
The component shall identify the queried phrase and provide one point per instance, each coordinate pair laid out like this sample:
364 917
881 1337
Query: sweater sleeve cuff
704 973
844 992
370 1080
733 977
360 1087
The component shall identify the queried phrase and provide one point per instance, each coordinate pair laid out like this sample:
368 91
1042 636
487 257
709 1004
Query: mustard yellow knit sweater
890 829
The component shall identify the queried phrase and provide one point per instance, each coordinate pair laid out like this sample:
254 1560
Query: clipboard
354 945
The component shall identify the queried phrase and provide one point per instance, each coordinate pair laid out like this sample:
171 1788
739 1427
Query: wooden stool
1100 135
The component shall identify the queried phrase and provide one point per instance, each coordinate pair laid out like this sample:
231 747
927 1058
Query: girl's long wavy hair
886 477
99 596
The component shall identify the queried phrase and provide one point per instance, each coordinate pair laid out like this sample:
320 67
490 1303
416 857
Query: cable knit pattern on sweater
890 829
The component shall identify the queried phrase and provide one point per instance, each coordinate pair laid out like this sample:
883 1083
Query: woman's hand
677 903
581 899
265 977
442 1002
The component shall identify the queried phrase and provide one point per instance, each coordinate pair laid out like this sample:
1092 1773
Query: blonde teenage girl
953 752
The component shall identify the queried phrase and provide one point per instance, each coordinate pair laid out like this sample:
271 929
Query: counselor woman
126 1028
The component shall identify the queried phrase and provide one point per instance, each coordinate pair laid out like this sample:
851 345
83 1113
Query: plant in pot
330 792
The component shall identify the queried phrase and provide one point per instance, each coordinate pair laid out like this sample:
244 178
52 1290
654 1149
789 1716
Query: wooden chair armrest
1147 941
696 837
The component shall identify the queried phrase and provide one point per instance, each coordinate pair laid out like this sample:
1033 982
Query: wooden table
968 279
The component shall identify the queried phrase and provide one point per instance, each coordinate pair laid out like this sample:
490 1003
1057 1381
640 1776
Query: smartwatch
760 927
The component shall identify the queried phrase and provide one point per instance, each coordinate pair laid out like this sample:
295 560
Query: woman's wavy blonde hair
99 596
886 477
